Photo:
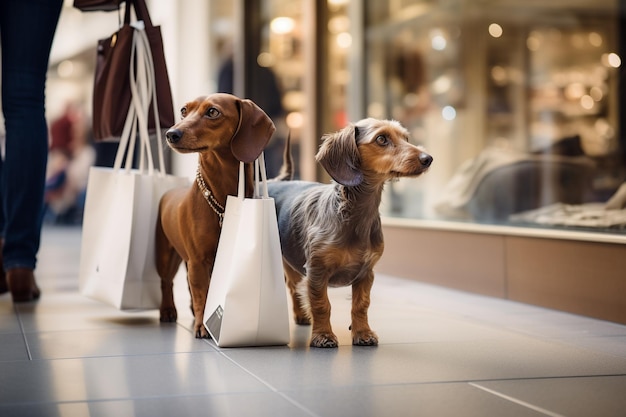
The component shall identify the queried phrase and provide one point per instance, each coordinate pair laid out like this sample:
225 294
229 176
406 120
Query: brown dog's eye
183 111
212 113
382 140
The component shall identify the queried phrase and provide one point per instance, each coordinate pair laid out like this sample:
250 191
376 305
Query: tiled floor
441 353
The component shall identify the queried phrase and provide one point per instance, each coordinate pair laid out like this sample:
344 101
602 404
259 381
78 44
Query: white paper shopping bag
247 301
117 262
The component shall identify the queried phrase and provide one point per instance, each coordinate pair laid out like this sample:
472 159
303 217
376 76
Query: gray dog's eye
382 140
212 113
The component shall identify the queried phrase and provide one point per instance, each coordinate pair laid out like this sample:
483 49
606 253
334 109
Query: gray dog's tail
287 169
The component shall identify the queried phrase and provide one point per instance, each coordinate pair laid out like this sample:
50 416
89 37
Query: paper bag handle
260 184
143 90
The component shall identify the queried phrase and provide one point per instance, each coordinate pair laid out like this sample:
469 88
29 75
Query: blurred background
522 103
519 101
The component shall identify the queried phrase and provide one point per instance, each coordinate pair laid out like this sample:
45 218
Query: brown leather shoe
3 277
21 282
3 281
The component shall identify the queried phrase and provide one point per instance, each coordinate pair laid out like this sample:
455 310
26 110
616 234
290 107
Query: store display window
519 102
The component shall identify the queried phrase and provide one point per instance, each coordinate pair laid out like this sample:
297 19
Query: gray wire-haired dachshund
331 234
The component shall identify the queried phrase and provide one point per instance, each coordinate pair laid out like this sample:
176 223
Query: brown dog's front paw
366 338
324 340
201 332
302 320
168 314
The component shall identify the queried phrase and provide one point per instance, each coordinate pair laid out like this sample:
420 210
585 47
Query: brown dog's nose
425 159
173 135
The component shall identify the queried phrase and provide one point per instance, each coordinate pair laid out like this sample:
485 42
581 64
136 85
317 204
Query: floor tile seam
100 328
273 389
517 401
437 341
97 327
544 378
207 341
482 318
501 327
16 332
598 352
560 340
574 337
587 337
448 382
570 343
134 398
213 349
485 323
536 335
358 386
554 342
478 381
132 355
22 332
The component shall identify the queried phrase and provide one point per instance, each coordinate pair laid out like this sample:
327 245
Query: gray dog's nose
425 159
173 135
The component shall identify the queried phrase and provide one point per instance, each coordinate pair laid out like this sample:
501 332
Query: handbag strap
260 179
141 11
127 12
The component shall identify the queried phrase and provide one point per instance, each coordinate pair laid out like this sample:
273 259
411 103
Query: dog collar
208 196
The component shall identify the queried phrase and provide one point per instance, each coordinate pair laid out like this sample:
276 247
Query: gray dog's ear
253 133
340 156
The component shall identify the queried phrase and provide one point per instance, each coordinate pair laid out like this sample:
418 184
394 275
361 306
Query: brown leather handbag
97 5
112 93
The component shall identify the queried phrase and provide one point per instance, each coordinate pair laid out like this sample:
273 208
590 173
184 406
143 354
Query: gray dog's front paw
368 338
324 340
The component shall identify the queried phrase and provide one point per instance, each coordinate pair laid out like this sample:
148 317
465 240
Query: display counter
575 271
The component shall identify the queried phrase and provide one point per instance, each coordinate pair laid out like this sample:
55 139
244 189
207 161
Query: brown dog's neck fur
221 186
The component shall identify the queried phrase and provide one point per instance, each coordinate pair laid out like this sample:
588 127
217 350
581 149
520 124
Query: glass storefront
300 80
518 102
270 51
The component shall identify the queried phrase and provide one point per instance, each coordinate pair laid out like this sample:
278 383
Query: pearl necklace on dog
208 196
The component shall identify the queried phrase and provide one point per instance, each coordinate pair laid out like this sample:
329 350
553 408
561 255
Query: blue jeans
26 31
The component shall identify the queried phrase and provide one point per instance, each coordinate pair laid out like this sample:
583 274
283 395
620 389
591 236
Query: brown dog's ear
340 156
253 133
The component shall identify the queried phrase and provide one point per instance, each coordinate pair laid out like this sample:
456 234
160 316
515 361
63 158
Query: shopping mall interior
501 287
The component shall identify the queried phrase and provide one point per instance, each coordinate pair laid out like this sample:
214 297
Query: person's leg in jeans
27 28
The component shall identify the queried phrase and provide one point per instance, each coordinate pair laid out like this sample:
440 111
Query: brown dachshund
331 235
223 130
